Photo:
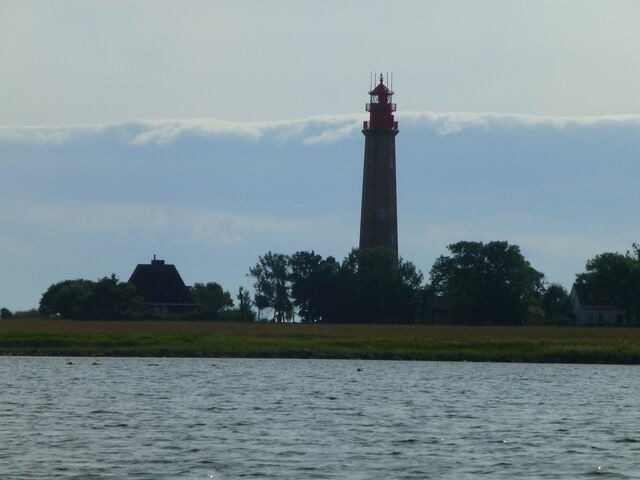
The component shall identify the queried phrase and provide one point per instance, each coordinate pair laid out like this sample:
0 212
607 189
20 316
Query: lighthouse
379 216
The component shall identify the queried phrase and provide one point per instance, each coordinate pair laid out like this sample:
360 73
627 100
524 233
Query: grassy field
419 342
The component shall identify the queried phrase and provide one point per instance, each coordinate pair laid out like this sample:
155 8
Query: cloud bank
309 131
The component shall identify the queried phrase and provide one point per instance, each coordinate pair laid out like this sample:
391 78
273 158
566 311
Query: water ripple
293 419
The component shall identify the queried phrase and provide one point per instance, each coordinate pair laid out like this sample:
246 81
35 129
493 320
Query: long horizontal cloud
317 129
309 131
453 122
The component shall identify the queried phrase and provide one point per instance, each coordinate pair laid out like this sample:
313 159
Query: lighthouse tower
378 217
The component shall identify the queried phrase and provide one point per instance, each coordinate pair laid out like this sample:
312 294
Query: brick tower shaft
379 213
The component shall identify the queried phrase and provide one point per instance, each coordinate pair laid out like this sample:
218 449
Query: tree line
110 299
368 286
474 283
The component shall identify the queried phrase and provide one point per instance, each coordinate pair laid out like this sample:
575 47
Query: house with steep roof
162 288
588 311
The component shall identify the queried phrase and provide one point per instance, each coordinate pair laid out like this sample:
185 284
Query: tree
211 300
313 285
67 298
377 287
486 283
5 313
111 299
106 299
370 285
555 302
244 305
614 279
410 291
272 285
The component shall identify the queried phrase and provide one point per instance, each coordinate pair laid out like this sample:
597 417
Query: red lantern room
381 109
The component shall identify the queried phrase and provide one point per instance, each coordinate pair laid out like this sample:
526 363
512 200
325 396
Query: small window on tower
382 214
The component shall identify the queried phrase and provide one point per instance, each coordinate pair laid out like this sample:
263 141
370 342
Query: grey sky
86 62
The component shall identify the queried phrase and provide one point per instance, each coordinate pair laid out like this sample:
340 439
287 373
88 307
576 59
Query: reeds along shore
409 342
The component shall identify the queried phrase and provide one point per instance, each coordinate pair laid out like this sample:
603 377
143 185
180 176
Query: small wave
408 440
628 440
601 470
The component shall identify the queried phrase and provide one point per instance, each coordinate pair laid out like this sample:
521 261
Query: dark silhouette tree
486 283
370 285
111 299
211 300
555 302
244 305
5 313
614 279
313 285
106 299
272 286
67 298
378 287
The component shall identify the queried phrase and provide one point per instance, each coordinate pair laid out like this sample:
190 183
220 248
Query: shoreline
312 356
201 339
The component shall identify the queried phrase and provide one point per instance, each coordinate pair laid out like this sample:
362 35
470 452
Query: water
297 419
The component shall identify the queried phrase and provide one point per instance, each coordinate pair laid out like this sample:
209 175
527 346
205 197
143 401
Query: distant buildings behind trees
608 292
153 290
474 283
488 283
477 283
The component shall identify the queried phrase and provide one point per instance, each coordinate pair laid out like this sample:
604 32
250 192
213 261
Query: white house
591 313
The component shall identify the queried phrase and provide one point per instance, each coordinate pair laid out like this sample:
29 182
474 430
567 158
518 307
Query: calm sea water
297 419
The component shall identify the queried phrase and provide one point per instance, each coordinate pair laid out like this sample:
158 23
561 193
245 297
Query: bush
106 299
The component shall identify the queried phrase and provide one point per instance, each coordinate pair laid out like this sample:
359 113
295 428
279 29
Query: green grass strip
317 347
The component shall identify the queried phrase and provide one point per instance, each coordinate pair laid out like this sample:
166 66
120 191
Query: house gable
161 286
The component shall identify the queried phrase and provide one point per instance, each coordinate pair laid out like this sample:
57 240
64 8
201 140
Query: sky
211 132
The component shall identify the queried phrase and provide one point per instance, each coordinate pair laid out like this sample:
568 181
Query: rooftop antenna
391 86
370 81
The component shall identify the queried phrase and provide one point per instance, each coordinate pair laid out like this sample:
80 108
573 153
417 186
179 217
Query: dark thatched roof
160 284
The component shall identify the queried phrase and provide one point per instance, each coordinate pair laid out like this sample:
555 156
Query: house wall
588 315
595 316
